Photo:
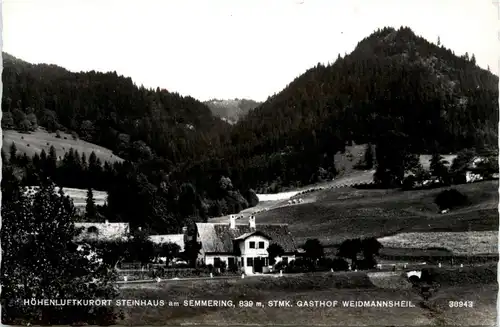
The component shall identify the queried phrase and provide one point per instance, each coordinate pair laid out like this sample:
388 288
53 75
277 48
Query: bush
449 199
409 183
300 265
340 264
233 268
280 266
366 263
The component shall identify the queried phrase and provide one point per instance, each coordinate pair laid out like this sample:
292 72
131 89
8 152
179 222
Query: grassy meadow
459 243
35 142
476 284
339 214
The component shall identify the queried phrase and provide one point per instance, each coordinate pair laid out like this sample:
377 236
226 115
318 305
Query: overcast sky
230 48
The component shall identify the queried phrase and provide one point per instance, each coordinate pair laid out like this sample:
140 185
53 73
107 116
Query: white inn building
244 245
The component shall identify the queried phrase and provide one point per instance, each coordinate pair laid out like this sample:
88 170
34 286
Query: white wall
209 258
290 258
246 251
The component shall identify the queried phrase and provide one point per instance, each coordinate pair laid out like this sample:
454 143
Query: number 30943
461 304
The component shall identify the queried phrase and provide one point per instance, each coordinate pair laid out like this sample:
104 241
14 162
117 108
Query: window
216 262
249 262
261 245
285 260
92 229
252 245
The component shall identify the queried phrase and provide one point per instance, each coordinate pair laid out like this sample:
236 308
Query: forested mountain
395 89
108 110
155 131
231 110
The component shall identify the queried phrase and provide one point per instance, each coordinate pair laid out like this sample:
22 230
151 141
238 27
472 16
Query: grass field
481 288
459 243
339 214
34 142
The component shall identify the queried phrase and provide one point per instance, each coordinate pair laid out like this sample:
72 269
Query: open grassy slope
34 142
459 243
339 214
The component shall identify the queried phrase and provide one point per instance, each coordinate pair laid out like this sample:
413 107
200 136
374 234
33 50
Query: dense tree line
135 194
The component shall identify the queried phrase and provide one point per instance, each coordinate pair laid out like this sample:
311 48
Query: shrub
409 183
233 268
280 266
340 264
300 265
449 199
366 263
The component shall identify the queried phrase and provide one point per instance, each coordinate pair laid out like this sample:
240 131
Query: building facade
243 246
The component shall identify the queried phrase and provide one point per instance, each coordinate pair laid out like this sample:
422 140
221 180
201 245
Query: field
334 215
35 142
476 284
459 243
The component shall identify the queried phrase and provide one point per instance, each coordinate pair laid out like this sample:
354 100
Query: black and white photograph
250 162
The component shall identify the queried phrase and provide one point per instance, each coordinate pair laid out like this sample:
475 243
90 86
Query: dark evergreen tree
41 261
90 207
439 169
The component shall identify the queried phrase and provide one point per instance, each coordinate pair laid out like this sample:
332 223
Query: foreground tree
40 261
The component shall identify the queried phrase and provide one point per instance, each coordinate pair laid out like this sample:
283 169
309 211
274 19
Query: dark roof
220 238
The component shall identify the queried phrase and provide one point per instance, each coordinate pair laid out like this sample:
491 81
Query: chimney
251 221
232 221
106 221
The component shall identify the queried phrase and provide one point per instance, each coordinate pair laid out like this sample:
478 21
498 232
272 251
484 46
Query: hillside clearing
79 196
35 142
339 214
